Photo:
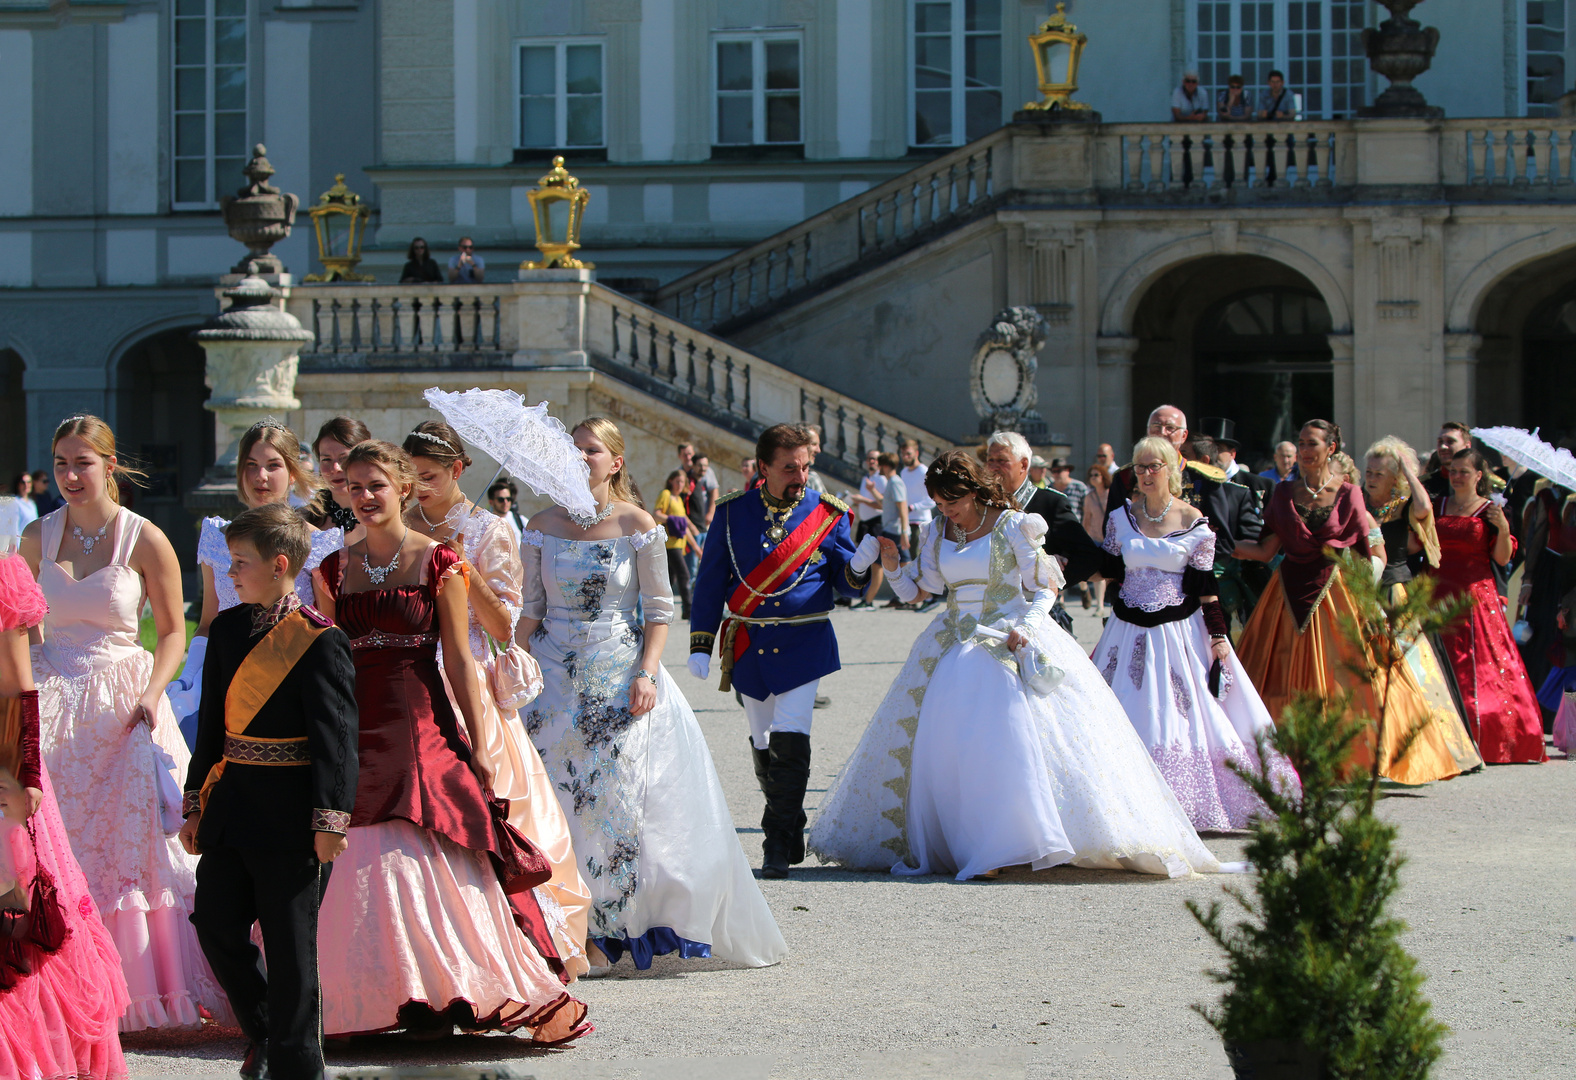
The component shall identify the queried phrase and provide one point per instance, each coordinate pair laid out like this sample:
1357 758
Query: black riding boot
788 775
762 760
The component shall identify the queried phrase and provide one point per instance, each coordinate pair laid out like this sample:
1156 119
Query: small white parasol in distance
1557 464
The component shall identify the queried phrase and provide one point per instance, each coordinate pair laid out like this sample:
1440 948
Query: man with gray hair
1007 454
1189 104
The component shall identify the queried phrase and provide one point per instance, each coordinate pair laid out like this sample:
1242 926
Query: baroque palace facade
824 201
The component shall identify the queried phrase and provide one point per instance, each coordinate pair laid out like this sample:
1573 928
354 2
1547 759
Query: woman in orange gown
1293 644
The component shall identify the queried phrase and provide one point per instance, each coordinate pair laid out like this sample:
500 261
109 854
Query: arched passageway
160 420
1238 336
1526 371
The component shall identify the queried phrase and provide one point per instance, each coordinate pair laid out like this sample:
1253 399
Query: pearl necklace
1316 492
1143 508
961 536
379 574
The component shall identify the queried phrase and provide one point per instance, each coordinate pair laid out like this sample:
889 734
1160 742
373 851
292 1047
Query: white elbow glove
1044 600
185 691
903 584
700 664
869 551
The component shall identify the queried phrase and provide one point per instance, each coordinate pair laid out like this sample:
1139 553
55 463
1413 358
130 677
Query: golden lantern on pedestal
1058 47
340 220
557 203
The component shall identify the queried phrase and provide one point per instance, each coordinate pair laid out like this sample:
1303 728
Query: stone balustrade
564 319
1155 166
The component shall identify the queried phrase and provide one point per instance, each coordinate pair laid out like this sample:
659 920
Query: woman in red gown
426 935
1496 694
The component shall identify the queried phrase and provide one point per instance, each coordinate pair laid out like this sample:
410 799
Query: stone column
1345 382
1114 362
253 349
1461 362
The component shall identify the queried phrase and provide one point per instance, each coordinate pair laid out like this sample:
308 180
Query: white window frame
1281 59
210 157
1522 104
561 93
959 89
758 92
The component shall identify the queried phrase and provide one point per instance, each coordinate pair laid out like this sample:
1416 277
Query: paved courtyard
1059 974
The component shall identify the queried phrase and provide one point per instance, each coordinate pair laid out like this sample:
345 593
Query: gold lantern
557 203
1058 46
340 220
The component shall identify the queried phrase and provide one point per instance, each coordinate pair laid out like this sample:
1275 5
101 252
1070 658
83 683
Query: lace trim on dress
532 537
641 539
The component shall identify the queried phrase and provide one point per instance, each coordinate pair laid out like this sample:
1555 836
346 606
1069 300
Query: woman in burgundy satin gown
1496 694
425 934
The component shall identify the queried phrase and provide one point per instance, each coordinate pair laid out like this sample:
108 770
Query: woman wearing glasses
1166 653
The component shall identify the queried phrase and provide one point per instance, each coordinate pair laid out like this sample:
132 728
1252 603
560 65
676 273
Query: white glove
700 664
869 551
185 691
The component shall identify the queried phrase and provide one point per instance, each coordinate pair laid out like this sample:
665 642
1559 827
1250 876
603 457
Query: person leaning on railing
1189 105
420 266
1233 102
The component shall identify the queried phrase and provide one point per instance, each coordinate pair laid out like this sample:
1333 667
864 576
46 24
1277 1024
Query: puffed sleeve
922 571
1036 569
533 594
492 551
1112 568
1198 576
212 551
651 568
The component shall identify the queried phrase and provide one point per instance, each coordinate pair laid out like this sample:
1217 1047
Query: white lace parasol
1553 462
524 439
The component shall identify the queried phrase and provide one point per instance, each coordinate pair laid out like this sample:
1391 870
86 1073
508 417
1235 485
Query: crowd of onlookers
1190 103
33 497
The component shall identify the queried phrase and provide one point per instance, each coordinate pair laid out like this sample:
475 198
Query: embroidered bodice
214 553
92 623
588 590
395 616
1153 565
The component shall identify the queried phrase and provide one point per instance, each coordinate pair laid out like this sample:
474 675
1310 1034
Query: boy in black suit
270 791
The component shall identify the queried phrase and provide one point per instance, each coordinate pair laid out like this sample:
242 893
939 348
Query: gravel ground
1060 974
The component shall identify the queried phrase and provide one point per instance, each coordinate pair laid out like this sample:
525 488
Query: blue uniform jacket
779 657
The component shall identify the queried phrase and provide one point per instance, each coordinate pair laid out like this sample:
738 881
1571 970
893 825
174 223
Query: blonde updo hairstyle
101 440
1392 452
393 462
270 432
620 486
1161 448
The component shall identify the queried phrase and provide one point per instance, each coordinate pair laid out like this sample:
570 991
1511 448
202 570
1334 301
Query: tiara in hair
72 419
266 422
430 437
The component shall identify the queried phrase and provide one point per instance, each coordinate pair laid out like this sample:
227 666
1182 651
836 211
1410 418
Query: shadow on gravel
217 1043
1056 875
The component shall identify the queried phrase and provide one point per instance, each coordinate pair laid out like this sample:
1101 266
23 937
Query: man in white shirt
920 504
867 508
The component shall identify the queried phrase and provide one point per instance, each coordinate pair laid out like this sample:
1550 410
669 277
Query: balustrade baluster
317 325
673 359
615 332
1538 154
1562 157
1189 172
842 435
747 413
1133 162
727 384
459 323
711 375
859 444
355 325
821 417
633 360
880 437
476 323
333 322
377 329
497 314
396 331
990 172
651 348
1504 162
1209 163
691 365
437 325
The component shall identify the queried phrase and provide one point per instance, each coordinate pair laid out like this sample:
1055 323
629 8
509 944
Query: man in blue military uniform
763 595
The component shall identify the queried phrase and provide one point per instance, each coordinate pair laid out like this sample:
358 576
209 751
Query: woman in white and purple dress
1165 652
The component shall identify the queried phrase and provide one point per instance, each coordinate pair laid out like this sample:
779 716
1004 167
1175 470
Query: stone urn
1401 49
259 215
253 350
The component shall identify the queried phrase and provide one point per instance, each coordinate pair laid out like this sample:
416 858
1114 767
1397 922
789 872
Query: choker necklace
1143 508
379 574
88 540
596 519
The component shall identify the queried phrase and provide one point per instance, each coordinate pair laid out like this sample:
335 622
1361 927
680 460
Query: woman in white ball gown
1166 653
964 770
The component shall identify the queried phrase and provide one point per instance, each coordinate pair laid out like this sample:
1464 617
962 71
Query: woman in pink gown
106 730
60 1006
1496 694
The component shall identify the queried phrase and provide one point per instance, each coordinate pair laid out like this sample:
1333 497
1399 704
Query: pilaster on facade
1461 373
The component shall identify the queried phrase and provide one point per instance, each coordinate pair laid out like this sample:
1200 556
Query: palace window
1544 65
560 85
209 96
758 87
955 71
1316 44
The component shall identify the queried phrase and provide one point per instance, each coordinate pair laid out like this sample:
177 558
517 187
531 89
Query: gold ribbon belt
730 629
250 751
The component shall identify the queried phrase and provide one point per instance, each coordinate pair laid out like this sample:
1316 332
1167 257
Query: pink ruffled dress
90 672
60 1019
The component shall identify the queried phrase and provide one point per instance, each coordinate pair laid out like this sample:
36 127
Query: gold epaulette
1208 471
834 502
734 494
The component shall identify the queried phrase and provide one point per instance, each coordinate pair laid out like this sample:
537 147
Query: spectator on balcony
465 266
1233 103
1189 104
420 266
1277 103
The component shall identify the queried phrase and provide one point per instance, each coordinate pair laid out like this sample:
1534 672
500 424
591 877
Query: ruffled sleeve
1036 570
333 569
212 551
651 568
533 593
1198 575
490 547
443 565
22 602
